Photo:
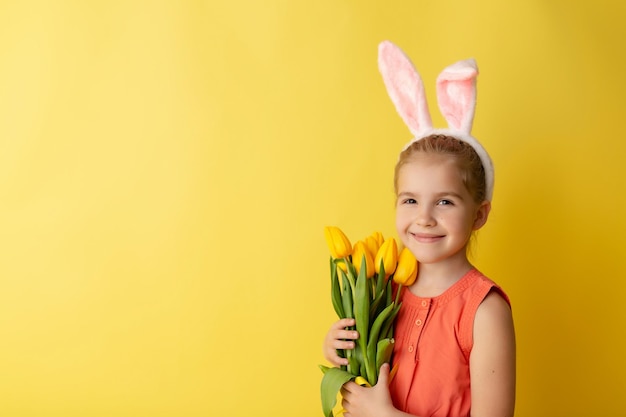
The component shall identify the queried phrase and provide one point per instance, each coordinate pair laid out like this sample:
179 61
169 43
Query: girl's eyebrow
438 195
451 194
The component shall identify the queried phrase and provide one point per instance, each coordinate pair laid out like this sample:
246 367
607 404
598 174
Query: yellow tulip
388 254
337 241
379 238
360 251
372 244
406 272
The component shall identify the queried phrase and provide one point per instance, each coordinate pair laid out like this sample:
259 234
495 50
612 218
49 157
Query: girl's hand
360 401
339 338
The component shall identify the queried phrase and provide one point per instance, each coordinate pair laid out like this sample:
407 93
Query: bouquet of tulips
361 277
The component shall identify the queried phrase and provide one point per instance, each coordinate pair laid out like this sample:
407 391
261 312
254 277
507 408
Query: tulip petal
338 243
406 272
388 256
362 382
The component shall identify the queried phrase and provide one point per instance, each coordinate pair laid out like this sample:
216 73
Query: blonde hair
466 158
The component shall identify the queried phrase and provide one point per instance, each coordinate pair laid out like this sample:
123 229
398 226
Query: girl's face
435 213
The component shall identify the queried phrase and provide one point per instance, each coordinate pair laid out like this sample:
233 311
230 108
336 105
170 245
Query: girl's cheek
399 225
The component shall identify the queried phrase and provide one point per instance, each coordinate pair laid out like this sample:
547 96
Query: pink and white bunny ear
456 94
405 87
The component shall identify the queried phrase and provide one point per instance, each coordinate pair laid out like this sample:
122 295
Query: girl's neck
435 279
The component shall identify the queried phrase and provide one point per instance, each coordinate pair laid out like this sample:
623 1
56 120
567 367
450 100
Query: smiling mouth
426 237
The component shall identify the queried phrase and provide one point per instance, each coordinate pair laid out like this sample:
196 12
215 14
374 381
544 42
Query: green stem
398 293
349 357
350 276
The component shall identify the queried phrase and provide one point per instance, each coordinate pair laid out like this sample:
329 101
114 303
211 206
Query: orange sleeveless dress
433 344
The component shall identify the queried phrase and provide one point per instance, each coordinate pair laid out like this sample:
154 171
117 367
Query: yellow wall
167 167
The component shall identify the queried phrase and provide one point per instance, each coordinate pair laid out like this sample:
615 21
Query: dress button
418 322
411 348
424 303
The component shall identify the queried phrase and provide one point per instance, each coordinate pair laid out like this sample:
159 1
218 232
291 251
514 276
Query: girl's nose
424 217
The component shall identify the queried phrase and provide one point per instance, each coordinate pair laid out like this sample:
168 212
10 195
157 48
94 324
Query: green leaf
362 304
387 329
333 380
373 341
384 349
335 290
346 297
363 370
358 354
362 316
374 309
378 322
380 283
351 268
388 294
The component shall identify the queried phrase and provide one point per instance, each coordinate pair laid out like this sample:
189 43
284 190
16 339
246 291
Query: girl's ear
405 87
456 94
482 214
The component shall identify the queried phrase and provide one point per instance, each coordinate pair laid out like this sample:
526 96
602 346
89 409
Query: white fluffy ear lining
405 87
456 94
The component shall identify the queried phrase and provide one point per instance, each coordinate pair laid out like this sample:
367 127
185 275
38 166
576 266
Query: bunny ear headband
456 95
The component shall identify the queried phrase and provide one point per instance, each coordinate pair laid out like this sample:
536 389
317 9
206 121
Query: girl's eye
445 202
409 201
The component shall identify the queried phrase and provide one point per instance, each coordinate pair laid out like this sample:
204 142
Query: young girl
454 338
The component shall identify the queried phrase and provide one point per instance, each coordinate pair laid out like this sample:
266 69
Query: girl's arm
492 361
339 338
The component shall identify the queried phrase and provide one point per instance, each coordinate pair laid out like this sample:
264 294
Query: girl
455 343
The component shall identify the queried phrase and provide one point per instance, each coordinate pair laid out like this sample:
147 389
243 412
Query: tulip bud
361 251
388 254
372 244
338 243
406 272
379 238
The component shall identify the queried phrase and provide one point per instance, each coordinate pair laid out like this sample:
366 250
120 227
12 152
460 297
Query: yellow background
167 167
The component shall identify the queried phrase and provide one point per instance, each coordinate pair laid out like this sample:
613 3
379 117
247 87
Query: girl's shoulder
490 288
